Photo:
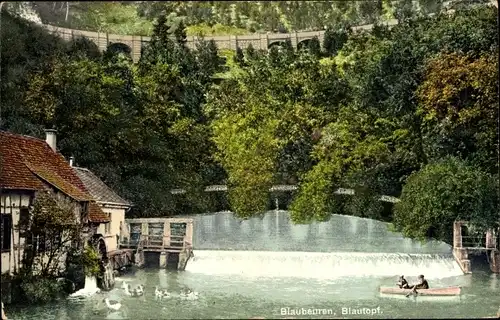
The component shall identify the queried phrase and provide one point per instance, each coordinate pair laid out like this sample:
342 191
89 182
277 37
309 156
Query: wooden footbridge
466 242
167 239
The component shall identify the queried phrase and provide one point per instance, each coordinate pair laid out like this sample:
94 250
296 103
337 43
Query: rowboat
448 291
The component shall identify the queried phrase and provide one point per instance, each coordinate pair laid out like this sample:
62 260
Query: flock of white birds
186 294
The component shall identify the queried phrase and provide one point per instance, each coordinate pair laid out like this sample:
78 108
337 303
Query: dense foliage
361 110
90 261
139 127
389 103
434 197
52 228
50 231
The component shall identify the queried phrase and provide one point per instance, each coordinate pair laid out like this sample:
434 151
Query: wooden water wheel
102 250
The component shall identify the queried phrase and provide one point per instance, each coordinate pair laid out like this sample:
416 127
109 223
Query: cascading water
321 265
89 289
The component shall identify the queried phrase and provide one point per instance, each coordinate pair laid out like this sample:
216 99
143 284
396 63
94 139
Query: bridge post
163 259
457 234
233 40
295 40
166 233
461 254
264 41
98 41
136 48
321 37
192 44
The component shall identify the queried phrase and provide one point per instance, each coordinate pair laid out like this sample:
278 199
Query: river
271 268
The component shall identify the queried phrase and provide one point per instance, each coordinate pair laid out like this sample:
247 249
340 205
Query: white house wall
11 204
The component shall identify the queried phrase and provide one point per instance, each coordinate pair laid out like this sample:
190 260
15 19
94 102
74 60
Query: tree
250 52
50 230
84 48
289 49
161 30
347 146
239 57
314 47
26 47
458 102
261 138
180 33
334 40
442 192
404 11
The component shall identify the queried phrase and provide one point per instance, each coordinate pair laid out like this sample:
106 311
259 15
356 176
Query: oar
414 291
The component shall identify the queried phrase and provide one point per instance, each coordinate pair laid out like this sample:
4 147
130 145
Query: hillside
212 18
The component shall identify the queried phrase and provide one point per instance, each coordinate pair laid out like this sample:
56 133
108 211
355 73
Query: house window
44 242
40 243
6 231
24 219
107 225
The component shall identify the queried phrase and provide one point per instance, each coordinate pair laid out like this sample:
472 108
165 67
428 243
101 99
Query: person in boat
402 283
422 284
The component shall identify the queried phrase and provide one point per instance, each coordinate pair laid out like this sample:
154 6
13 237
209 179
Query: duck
137 292
162 293
112 304
189 295
124 285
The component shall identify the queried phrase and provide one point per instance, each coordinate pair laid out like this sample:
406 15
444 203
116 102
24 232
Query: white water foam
89 289
322 265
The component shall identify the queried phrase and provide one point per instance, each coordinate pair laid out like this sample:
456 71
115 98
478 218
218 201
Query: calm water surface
257 267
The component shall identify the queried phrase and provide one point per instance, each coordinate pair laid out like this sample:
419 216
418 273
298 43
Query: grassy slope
123 19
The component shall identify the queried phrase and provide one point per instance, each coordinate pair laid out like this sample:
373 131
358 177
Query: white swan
112 304
137 292
189 295
161 293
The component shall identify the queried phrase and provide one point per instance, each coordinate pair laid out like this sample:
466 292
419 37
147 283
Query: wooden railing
157 241
477 242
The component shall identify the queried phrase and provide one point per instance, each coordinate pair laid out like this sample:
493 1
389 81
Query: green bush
434 197
90 260
41 290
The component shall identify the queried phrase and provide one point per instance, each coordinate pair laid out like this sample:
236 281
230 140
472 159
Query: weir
344 246
321 265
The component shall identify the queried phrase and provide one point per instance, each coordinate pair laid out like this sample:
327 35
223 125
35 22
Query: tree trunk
67 12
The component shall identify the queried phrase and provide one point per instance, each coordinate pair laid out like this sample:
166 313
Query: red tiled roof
96 214
27 163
